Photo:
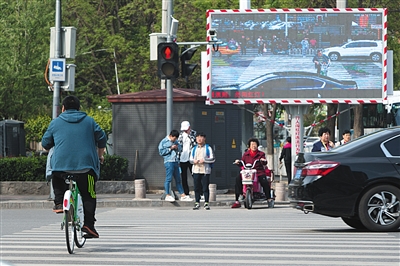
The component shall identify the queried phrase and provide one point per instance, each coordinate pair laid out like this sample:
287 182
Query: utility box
69 83
155 39
68 42
12 138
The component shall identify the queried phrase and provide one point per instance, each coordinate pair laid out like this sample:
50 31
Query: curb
124 203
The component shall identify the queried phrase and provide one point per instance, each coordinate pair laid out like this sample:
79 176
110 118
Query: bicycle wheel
78 237
70 229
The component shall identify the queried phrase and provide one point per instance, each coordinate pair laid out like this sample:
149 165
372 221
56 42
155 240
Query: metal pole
116 72
169 81
244 4
344 120
57 85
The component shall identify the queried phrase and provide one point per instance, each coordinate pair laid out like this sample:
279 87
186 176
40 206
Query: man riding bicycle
79 144
320 60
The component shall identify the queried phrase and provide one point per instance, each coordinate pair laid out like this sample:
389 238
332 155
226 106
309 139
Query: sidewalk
116 200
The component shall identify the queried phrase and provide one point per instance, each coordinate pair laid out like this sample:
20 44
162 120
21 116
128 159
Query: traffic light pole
57 85
169 81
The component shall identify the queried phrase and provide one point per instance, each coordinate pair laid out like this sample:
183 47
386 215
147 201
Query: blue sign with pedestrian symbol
57 69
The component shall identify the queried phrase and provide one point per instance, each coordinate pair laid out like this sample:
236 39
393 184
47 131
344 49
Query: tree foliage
114 33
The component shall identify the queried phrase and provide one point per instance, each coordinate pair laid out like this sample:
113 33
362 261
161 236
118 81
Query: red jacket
246 158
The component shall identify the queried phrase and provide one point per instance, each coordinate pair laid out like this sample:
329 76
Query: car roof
284 74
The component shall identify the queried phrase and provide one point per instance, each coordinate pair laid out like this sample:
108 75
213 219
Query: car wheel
354 223
379 208
334 56
376 57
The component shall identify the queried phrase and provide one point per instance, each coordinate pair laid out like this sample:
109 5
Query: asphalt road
182 236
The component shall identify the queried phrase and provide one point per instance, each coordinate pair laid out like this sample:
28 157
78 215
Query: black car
278 81
358 181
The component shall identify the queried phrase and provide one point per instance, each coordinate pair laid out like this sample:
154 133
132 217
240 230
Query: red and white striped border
384 12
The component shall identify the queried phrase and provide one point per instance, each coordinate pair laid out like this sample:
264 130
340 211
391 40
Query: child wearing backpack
202 157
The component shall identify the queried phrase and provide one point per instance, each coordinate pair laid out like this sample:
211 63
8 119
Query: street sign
57 69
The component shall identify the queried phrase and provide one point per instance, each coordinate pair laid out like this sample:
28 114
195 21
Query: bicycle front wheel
78 237
70 229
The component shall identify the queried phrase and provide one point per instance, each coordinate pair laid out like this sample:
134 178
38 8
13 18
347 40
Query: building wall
139 127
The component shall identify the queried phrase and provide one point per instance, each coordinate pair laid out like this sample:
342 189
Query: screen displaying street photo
283 55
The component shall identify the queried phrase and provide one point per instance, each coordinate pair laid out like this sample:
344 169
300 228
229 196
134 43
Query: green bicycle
73 219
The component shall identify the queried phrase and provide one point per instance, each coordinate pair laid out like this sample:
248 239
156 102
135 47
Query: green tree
24 41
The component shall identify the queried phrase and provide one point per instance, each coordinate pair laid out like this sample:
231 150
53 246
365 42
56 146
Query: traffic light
168 60
186 54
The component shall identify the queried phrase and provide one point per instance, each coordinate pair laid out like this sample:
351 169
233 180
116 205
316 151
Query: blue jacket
165 151
318 146
75 137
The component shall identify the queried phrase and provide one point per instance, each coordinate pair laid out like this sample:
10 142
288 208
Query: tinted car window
352 45
370 44
393 146
304 83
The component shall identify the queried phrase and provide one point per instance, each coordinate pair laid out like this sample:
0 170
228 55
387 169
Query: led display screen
296 56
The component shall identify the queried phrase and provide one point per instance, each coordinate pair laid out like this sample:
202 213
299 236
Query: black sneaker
206 206
58 208
91 232
196 206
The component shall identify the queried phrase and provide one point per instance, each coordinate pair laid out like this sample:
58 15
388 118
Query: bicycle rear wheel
70 229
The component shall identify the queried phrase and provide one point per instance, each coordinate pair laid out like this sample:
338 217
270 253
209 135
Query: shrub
34 168
114 168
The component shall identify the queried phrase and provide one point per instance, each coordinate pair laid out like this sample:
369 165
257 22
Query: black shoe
206 206
196 206
58 208
90 232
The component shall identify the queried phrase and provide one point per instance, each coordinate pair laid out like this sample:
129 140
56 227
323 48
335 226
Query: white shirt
185 154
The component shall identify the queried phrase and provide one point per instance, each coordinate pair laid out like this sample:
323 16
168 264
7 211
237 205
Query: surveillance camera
213 33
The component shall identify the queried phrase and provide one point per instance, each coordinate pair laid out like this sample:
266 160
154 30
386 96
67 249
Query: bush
23 168
34 168
114 168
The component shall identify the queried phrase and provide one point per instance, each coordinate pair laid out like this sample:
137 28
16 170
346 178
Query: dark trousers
261 179
288 167
184 168
201 186
87 188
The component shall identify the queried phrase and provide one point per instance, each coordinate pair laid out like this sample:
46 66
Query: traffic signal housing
187 68
168 60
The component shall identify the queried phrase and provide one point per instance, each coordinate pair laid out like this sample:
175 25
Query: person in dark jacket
324 144
250 155
79 144
286 155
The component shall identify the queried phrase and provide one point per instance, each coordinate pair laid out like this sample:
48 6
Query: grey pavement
117 201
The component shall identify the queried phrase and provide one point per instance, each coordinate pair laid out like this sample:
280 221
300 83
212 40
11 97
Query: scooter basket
248 176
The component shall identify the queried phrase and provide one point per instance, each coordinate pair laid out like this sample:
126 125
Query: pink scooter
251 186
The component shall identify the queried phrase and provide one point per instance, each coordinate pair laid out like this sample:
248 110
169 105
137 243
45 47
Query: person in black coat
286 155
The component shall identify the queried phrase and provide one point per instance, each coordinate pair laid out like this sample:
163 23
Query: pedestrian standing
187 138
346 135
168 148
202 157
286 155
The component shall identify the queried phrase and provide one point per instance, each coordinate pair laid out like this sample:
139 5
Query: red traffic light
167 53
168 60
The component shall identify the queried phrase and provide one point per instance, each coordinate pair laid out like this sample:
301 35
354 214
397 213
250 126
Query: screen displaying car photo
281 55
